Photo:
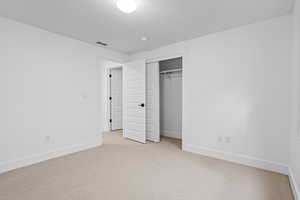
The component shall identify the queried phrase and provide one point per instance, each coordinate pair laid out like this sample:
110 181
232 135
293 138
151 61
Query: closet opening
170 97
164 100
170 87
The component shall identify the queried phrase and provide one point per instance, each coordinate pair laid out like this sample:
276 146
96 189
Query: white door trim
165 57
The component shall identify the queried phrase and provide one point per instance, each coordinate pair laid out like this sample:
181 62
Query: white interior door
134 88
152 102
116 98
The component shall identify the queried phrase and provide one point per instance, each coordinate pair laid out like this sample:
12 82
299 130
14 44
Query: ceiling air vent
101 43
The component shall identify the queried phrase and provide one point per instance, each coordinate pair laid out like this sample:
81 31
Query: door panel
116 101
134 86
152 102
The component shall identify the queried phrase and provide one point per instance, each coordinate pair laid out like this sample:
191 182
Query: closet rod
170 71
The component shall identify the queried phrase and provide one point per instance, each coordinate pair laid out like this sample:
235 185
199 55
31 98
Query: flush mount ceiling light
127 6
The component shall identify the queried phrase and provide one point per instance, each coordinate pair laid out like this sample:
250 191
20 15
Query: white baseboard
171 134
152 139
294 185
238 158
23 162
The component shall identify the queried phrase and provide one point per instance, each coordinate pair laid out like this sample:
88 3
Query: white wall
51 94
236 93
295 133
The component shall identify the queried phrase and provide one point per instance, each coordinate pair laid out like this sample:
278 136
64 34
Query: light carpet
125 170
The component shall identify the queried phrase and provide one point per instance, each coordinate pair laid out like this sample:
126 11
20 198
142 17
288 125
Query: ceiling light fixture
144 38
127 6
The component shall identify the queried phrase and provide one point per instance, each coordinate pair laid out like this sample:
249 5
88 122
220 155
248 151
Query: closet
164 99
171 98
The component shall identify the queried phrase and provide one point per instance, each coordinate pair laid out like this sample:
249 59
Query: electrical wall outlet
84 96
226 139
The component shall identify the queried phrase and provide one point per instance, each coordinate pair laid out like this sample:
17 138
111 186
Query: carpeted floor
126 170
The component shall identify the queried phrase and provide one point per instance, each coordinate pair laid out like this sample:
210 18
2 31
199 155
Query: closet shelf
170 71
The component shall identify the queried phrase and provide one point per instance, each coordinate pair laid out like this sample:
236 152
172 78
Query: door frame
183 56
109 113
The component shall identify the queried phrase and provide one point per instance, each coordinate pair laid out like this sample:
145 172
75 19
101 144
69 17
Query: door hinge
110 98
110 120
110 76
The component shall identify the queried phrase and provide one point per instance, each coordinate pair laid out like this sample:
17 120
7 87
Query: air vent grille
101 43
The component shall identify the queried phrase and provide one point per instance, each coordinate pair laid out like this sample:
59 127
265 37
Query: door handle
142 105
